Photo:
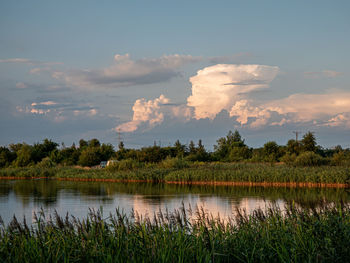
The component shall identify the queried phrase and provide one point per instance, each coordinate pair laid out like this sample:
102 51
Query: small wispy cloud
59 111
28 61
39 70
323 74
21 85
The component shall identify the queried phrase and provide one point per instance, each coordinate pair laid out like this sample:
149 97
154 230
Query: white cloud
308 107
181 112
39 111
145 112
229 87
342 119
39 70
58 112
219 87
46 103
329 109
243 111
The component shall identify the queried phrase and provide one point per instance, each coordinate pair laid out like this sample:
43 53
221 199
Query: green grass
207 172
297 235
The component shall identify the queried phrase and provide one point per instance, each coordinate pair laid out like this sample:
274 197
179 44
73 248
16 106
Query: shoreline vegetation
184 235
298 163
298 233
235 174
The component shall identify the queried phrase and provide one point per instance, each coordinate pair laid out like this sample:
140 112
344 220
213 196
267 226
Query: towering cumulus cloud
145 112
229 87
219 87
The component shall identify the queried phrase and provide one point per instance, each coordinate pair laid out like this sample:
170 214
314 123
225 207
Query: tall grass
181 171
295 235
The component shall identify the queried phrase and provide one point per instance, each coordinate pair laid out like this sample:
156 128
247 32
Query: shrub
176 162
309 159
123 165
24 156
340 158
289 159
239 153
90 156
46 163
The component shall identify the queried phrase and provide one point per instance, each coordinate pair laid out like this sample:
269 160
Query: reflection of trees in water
46 192
43 192
5 188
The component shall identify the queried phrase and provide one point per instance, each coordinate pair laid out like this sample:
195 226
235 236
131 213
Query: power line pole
119 137
296 135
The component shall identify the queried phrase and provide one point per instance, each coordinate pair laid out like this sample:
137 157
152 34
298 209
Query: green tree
24 156
293 147
82 143
6 157
271 151
94 143
121 146
231 148
308 143
66 156
106 151
239 153
44 149
201 155
192 148
180 149
90 156
223 146
15 147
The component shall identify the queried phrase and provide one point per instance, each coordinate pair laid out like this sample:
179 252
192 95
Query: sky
150 72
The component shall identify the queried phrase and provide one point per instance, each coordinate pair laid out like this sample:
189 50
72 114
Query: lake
26 197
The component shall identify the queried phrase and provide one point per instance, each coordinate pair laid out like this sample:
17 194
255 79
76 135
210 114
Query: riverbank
300 235
246 174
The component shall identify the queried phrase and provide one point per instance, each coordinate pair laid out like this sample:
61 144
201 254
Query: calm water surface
24 197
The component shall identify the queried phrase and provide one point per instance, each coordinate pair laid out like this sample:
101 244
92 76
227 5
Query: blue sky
287 69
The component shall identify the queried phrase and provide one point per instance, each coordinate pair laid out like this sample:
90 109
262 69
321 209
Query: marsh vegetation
185 235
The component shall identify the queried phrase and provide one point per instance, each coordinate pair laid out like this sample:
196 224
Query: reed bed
184 235
206 172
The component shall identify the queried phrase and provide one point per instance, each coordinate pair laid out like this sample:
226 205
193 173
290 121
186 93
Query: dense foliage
231 148
294 235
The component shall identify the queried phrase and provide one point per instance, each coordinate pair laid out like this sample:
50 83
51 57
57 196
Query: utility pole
296 135
119 137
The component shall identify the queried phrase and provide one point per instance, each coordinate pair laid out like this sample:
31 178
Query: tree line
231 148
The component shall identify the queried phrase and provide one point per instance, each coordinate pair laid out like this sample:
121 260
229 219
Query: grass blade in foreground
296 235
